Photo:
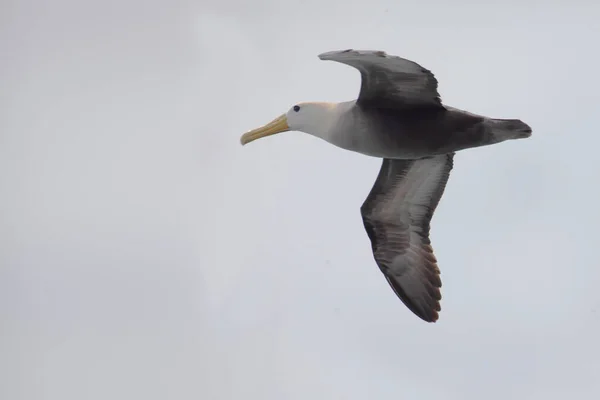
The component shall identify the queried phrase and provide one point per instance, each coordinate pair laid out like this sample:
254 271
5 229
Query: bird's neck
328 121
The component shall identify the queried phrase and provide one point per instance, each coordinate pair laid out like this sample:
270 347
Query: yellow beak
278 125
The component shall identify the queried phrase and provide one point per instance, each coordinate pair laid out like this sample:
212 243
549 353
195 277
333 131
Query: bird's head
314 118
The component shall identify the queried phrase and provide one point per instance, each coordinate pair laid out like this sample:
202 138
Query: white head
315 118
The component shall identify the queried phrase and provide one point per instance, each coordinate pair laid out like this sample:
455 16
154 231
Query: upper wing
396 216
389 81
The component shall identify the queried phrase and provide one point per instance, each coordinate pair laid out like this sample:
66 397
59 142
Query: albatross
398 117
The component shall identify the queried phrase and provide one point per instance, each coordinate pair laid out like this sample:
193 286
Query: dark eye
296 108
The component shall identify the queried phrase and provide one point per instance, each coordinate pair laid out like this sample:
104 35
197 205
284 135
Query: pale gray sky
145 254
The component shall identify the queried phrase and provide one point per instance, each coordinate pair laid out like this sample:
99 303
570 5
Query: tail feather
506 129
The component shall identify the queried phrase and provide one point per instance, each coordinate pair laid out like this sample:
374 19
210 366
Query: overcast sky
145 254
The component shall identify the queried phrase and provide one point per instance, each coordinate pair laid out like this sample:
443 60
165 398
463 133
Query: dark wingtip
429 313
432 318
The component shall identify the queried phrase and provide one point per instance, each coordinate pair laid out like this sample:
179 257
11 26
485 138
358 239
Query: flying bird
398 117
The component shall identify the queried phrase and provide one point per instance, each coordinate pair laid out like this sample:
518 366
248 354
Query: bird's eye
296 108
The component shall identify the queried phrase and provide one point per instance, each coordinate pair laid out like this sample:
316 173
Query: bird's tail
507 129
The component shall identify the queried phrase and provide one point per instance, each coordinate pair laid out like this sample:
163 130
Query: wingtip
430 319
431 316
330 54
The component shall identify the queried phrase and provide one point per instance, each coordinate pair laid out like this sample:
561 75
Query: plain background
145 254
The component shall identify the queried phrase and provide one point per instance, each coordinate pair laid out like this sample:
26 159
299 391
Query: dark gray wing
389 81
396 216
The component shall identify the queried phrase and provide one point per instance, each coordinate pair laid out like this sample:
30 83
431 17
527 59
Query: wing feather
390 81
397 215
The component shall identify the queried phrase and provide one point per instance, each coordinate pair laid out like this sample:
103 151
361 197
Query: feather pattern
397 215
390 81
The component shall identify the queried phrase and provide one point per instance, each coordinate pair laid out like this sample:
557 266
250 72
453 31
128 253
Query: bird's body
400 118
414 133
